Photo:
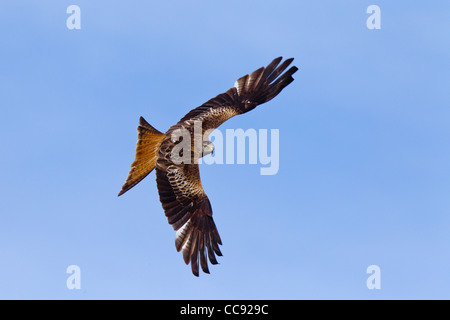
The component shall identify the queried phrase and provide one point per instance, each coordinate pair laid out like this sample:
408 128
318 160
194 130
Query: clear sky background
364 172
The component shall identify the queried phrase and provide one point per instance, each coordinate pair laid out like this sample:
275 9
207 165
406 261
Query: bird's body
183 199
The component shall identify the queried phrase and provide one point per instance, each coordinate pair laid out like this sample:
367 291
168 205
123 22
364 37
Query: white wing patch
236 85
180 236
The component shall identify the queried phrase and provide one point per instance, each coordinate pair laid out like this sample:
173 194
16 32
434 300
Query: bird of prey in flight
183 199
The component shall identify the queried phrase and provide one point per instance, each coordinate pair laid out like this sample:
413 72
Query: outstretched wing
181 193
248 92
189 212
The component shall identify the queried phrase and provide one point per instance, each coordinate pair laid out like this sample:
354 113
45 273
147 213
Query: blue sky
364 174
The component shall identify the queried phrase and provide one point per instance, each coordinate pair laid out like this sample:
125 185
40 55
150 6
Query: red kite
183 199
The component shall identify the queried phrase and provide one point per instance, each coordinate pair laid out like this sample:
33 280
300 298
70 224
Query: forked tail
149 141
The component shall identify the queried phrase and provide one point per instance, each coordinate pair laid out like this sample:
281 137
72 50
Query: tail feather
149 140
264 84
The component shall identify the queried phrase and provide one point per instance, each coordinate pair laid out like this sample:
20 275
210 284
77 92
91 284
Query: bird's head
207 148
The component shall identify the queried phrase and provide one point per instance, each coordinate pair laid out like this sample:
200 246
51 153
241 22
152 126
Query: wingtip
206 271
293 70
280 58
276 61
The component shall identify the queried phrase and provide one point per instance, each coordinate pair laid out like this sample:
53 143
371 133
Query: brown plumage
183 199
